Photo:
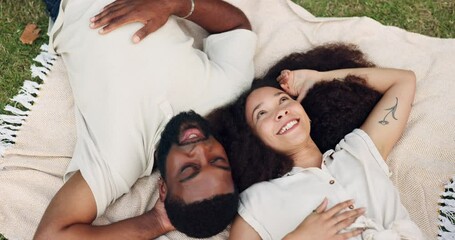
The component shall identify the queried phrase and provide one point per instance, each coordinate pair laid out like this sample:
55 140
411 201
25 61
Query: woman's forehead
261 94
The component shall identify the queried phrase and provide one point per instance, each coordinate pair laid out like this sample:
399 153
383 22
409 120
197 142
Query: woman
355 169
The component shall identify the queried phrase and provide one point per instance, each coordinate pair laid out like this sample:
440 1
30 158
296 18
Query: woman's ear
162 188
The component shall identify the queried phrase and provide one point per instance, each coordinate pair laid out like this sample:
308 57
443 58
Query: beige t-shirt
125 93
355 170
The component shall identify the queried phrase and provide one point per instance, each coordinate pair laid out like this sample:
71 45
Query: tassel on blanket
23 101
447 212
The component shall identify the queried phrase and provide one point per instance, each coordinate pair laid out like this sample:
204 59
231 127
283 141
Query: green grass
15 57
429 17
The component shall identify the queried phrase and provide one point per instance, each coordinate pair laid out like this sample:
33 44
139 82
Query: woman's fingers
350 234
284 76
339 207
321 208
345 219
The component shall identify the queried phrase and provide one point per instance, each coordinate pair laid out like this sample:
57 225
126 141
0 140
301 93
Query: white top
125 93
355 170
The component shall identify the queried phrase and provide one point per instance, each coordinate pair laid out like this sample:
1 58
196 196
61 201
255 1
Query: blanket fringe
447 212
22 103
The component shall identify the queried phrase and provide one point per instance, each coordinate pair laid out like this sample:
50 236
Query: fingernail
92 19
101 30
136 39
92 25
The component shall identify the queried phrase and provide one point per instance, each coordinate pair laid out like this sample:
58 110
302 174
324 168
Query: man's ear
162 189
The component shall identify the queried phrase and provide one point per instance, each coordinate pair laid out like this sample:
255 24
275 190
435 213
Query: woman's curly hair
334 107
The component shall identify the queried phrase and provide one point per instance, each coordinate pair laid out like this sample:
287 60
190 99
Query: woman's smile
288 126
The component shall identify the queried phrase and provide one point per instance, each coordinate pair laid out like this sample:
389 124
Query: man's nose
281 113
200 151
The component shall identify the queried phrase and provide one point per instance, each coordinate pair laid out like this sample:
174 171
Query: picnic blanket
38 137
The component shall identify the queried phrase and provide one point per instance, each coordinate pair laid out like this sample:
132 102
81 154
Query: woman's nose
281 114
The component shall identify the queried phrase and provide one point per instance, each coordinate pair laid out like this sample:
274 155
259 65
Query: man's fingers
145 31
116 22
114 3
339 207
106 16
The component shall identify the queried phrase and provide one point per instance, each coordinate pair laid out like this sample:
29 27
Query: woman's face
278 120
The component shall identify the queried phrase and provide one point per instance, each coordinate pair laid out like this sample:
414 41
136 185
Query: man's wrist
193 6
157 219
182 8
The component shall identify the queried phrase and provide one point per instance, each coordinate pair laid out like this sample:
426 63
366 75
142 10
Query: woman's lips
288 126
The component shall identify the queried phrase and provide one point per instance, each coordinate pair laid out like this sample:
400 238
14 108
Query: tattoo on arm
392 111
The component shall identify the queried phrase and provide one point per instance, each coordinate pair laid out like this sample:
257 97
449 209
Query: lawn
429 17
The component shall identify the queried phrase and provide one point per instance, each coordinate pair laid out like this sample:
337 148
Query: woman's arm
388 119
240 229
214 16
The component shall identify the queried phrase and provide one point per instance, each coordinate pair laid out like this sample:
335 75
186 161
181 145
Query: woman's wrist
293 236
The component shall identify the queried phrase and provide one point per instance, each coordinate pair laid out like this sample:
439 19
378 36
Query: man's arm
214 16
73 209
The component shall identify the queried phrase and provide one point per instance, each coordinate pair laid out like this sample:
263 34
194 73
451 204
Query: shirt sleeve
246 211
231 63
360 144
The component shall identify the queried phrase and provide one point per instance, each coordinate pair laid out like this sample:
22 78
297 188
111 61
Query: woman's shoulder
355 139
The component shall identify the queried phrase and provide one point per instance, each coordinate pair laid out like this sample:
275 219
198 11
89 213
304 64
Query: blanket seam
446 217
21 104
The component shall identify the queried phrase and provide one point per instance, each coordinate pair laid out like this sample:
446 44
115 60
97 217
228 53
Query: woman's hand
152 13
298 82
326 225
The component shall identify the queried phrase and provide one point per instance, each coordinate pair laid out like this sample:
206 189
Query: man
194 167
125 94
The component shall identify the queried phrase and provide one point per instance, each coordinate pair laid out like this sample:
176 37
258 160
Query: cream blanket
422 162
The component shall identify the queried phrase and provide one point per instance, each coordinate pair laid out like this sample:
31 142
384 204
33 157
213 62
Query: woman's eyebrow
259 105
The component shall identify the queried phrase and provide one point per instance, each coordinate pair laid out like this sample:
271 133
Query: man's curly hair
334 107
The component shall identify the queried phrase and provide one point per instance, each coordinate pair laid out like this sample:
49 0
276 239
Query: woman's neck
308 155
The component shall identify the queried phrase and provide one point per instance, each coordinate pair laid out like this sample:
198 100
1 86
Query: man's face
197 166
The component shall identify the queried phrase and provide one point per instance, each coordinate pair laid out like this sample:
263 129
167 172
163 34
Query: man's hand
326 225
152 13
159 213
214 16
